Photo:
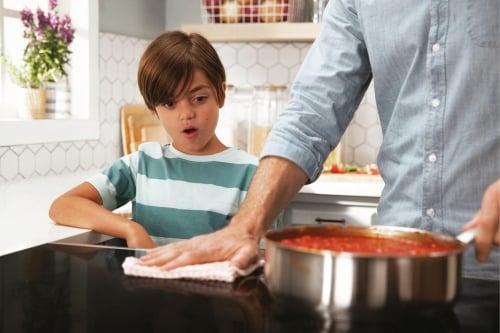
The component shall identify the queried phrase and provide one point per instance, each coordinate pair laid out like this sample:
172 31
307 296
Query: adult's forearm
273 186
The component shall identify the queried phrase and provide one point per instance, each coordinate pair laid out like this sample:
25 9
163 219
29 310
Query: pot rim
274 236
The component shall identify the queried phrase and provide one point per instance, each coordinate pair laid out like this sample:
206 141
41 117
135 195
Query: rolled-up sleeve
326 92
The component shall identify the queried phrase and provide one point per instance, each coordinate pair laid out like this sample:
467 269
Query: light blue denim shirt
435 66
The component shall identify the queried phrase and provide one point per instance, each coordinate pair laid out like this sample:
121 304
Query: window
83 123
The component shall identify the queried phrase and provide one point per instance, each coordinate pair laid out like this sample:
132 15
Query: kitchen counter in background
336 198
348 185
24 204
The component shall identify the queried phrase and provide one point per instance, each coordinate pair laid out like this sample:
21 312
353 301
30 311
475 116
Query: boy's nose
186 115
186 112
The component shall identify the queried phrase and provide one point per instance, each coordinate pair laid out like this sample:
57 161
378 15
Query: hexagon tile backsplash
247 64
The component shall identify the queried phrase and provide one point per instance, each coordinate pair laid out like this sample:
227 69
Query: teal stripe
122 178
177 223
216 173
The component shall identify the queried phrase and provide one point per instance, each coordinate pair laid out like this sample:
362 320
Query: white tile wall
246 63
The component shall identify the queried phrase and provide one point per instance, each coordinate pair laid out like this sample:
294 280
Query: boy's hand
137 237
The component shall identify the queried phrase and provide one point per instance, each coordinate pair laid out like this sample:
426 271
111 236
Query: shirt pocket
482 22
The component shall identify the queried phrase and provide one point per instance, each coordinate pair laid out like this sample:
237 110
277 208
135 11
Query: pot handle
467 236
322 220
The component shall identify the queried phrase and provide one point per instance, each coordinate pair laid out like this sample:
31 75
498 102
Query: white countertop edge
346 185
54 233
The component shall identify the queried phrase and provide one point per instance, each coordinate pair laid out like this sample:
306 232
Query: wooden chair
139 124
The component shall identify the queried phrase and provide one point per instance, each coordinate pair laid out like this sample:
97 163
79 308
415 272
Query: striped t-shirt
174 194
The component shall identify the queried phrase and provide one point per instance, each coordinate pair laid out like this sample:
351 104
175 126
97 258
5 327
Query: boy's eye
199 99
169 104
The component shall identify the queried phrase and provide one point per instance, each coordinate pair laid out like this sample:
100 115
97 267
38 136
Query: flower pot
32 103
58 100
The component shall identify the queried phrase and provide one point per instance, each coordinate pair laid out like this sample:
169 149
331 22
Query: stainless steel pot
345 281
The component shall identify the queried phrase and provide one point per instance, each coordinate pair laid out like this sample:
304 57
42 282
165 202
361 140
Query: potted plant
46 55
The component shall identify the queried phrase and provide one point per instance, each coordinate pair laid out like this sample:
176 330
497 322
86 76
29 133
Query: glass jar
269 101
232 128
336 156
225 125
306 10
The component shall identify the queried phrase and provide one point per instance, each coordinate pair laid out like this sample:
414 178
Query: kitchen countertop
24 220
72 288
359 185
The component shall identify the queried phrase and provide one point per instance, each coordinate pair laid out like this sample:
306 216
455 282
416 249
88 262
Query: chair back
139 124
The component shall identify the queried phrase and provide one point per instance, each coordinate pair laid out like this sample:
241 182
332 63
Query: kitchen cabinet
256 32
341 199
333 210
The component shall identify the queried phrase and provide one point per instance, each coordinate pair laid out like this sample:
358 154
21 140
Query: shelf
256 32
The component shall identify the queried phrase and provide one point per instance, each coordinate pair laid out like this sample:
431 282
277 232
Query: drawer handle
321 220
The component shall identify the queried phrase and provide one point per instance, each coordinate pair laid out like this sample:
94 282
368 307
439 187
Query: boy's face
191 120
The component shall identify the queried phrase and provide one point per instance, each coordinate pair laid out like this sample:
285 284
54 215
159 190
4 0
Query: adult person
435 67
193 185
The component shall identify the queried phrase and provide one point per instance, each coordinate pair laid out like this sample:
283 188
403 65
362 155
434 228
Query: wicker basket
244 11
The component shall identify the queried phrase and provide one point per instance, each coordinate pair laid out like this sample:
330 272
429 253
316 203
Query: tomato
369 169
337 168
372 169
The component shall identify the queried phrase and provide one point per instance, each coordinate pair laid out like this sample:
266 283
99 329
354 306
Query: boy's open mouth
189 130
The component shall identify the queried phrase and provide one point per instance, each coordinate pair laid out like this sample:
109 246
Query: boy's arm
81 207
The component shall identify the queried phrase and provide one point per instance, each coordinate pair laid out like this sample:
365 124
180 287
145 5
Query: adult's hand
230 243
487 221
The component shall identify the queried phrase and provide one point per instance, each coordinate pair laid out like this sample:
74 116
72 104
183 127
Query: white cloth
216 271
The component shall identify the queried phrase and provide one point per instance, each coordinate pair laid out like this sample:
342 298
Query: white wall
134 18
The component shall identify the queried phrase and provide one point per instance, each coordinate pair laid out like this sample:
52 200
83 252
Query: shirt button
430 212
432 158
436 47
435 102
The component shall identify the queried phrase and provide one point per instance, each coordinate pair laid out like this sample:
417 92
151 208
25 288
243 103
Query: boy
189 187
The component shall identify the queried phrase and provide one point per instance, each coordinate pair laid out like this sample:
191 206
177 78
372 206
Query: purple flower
43 20
52 4
53 21
66 30
27 17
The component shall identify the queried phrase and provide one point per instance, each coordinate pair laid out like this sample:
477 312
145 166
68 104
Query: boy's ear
224 88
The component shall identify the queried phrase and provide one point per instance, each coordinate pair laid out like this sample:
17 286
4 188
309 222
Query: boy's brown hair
167 66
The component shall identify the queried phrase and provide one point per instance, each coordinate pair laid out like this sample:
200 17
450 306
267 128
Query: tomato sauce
372 245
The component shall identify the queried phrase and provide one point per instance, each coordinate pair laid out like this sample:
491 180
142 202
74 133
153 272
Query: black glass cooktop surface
72 288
